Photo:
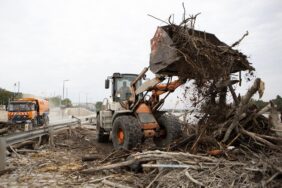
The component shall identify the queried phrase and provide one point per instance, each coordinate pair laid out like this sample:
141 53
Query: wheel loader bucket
167 59
163 58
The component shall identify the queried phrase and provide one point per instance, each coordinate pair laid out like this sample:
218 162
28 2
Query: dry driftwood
114 184
157 176
193 180
90 158
235 98
263 110
258 86
151 156
171 166
22 144
7 170
260 139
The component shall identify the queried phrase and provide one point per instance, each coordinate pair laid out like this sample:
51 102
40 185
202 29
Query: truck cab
28 111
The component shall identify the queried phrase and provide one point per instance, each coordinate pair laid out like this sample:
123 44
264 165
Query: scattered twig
90 158
14 151
158 19
260 139
114 184
192 179
184 11
157 176
238 42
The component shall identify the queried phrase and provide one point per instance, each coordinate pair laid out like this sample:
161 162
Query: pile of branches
178 169
241 124
215 67
232 144
193 54
204 57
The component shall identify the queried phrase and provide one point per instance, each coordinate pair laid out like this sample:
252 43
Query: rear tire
126 133
171 127
100 132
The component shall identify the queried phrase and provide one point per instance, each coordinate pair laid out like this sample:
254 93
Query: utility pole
66 92
79 104
18 87
64 88
14 92
79 100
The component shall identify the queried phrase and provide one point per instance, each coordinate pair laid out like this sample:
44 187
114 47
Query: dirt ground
61 165
56 166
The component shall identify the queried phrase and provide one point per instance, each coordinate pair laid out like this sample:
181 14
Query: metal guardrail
28 135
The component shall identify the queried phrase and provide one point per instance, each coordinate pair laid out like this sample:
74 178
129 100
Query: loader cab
120 86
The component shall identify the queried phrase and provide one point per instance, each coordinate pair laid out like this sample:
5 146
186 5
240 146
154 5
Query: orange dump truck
28 111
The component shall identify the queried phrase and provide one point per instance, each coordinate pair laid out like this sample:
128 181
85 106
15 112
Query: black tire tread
173 129
132 129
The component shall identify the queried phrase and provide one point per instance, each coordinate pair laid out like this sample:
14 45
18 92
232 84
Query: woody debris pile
233 144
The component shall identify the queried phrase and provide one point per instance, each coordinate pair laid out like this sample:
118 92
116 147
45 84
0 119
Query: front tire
126 133
171 128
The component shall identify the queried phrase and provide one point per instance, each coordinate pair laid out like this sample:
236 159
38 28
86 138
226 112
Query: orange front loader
132 112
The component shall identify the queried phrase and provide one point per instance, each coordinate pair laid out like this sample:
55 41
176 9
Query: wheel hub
120 136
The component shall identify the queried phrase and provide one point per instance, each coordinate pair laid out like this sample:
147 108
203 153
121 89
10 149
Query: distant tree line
260 103
56 102
6 96
98 105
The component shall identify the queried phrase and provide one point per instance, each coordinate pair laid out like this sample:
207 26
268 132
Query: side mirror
107 83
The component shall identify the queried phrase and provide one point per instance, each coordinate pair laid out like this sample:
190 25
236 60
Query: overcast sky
43 43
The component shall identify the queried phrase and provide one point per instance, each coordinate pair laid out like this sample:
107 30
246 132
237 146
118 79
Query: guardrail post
51 136
3 147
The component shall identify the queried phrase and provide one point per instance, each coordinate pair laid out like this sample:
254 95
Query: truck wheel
126 132
171 129
100 132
